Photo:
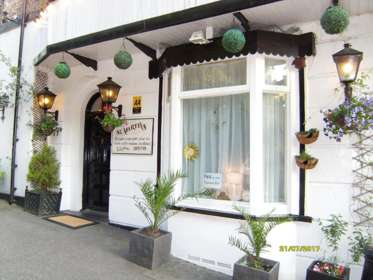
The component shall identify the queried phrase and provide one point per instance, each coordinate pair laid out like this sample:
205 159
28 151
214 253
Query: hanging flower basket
111 122
308 137
351 117
46 127
305 161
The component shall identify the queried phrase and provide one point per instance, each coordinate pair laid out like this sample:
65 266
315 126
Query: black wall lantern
348 62
109 91
45 100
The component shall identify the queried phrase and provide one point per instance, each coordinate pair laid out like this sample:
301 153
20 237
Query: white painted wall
194 236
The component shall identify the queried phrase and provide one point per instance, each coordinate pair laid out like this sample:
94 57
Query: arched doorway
97 144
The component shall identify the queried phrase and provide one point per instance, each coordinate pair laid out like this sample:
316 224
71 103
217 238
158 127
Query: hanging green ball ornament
335 20
234 40
62 70
123 59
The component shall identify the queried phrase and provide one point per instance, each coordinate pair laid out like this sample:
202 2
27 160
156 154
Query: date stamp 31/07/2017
284 249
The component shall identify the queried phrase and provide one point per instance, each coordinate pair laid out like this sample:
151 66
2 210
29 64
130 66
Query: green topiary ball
335 20
233 40
62 70
123 59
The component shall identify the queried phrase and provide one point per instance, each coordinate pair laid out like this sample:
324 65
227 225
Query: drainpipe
17 93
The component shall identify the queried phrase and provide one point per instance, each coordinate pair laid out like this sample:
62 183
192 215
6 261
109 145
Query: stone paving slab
34 249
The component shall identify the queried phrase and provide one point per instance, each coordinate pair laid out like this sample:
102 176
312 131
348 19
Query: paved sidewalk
34 249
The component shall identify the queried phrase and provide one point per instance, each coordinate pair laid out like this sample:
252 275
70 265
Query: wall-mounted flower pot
307 137
42 203
150 251
242 271
108 128
317 275
306 164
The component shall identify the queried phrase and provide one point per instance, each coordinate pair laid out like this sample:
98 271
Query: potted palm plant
43 174
329 269
252 265
151 247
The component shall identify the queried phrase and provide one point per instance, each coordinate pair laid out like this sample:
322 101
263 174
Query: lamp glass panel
347 67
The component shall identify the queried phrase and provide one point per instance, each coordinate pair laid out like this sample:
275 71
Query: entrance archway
97 152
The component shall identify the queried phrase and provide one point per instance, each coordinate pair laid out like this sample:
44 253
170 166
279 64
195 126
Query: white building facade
259 110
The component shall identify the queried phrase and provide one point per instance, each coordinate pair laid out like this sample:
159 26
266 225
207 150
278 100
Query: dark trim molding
258 41
18 200
294 218
184 16
128 228
159 128
302 119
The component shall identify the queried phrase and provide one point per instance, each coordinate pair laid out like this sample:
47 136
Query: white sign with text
135 137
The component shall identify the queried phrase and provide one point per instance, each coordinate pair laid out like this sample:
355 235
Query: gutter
16 109
180 17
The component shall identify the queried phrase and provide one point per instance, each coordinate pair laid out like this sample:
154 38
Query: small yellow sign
136 105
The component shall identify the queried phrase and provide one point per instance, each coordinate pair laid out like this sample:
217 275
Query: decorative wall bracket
89 62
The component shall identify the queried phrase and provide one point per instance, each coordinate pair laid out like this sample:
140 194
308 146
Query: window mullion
256 81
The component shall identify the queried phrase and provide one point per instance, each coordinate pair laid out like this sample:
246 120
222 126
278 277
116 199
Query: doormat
70 221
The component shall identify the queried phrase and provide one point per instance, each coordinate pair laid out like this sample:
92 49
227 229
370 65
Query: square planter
42 203
149 251
243 272
315 275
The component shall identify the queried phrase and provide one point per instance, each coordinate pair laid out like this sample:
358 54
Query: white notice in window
212 180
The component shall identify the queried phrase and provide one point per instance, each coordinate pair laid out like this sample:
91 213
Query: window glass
214 75
276 72
219 128
274 140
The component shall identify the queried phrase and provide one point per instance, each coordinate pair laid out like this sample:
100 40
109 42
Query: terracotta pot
340 121
305 138
306 164
108 129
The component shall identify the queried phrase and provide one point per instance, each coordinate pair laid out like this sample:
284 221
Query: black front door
96 160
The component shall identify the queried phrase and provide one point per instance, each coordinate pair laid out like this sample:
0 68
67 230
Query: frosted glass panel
276 72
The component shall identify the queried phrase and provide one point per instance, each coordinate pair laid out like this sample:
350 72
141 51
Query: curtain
219 126
214 75
274 126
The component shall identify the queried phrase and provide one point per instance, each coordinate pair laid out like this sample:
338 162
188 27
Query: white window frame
255 86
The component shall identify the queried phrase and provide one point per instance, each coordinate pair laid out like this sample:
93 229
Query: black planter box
149 251
242 271
315 275
42 203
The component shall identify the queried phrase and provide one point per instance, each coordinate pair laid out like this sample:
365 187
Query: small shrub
44 169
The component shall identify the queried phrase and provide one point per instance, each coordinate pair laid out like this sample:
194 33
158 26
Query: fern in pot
111 122
256 231
44 175
150 247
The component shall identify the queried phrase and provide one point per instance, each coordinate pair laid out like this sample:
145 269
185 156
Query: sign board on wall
134 138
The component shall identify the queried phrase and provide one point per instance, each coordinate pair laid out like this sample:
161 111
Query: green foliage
8 85
334 229
309 133
2 174
256 230
44 170
123 59
157 201
335 20
233 40
62 70
47 126
110 120
358 242
305 156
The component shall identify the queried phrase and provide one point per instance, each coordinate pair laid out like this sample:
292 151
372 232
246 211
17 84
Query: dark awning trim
258 41
180 17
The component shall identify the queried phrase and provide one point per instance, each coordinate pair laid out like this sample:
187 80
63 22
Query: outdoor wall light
109 91
46 100
348 61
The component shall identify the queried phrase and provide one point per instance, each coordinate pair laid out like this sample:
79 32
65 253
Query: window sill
233 214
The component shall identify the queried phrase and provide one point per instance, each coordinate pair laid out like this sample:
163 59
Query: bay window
237 116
